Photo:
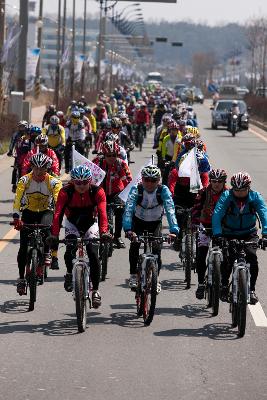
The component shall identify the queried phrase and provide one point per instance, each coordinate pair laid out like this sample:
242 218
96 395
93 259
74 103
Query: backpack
140 189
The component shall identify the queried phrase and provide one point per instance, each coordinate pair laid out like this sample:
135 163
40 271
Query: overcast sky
212 12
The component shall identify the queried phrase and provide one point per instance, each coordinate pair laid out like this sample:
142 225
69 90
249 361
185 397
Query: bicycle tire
138 297
216 280
209 295
80 299
33 280
111 229
234 313
150 293
188 260
242 303
104 261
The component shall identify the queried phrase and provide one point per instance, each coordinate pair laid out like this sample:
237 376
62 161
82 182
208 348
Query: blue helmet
35 130
81 173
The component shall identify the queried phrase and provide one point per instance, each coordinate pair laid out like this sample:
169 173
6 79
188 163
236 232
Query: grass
4 144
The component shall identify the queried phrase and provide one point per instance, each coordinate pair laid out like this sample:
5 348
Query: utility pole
84 46
61 85
2 38
100 43
72 52
56 93
22 54
39 45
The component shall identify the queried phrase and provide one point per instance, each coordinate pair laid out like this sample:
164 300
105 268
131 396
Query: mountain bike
239 297
81 279
188 243
36 269
147 277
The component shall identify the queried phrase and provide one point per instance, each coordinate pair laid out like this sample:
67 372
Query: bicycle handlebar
32 226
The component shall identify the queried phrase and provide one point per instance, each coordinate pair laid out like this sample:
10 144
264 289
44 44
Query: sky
211 12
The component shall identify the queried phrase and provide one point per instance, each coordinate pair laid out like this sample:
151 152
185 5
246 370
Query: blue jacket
167 204
228 219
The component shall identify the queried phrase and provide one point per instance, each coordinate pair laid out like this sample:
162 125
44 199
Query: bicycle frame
238 266
210 257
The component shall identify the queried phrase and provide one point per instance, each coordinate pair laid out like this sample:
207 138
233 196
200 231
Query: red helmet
172 125
110 147
241 180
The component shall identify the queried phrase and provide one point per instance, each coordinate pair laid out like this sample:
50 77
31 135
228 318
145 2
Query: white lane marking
258 134
5 240
258 315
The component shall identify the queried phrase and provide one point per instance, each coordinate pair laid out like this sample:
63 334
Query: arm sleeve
62 199
169 209
219 213
126 175
102 211
164 147
56 186
130 209
196 210
62 134
205 179
172 180
26 164
19 194
55 163
262 211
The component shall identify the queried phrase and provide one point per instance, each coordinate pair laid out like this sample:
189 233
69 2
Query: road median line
8 236
258 315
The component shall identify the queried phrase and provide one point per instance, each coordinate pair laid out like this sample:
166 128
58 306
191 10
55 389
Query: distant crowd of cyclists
111 130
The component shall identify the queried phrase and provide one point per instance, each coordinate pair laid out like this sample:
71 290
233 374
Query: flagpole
2 37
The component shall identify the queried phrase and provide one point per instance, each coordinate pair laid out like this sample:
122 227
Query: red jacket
174 178
80 204
100 114
142 117
204 206
26 167
118 175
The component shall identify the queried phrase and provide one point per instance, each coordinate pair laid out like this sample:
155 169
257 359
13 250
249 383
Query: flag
65 57
97 173
124 194
9 43
189 168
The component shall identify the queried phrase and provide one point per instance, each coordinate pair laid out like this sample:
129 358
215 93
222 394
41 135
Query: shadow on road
173 284
14 306
216 331
7 201
8 282
14 241
172 266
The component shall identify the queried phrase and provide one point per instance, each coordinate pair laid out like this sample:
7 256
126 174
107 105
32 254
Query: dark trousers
251 258
202 252
139 226
31 217
79 146
118 213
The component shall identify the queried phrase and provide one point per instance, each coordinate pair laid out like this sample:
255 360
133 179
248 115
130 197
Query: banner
10 42
189 168
65 57
32 60
79 60
124 194
97 173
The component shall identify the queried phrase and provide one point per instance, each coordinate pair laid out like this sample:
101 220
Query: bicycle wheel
80 298
138 297
242 303
216 279
33 279
141 139
188 260
104 250
110 225
150 293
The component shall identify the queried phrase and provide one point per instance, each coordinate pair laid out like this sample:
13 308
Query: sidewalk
37 115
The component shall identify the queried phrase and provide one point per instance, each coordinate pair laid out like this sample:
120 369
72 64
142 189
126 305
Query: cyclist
92 120
75 134
51 110
144 211
141 119
56 137
162 127
118 176
100 112
235 217
77 201
23 128
167 151
72 107
201 216
34 202
41 145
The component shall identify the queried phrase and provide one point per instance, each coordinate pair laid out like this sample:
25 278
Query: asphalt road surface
184 354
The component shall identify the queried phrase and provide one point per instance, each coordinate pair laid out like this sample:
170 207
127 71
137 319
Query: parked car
260 91
220 112
198 95
242 91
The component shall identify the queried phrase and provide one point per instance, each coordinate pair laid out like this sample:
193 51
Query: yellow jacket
92 120
55 138
36 196
164 133
177 147
168 147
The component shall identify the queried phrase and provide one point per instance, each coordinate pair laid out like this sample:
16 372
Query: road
185 354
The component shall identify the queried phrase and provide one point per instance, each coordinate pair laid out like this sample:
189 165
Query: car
242 91
198 96
219 114
178 87
260 91
228 92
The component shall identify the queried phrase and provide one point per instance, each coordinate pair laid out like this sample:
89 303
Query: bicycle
188 243
239 297
139 136
81 280
36 268
147 277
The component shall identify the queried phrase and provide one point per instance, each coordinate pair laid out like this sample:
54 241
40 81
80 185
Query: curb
258 124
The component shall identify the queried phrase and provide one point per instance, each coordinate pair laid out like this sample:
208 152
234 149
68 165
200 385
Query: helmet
188 137
151 171
195 131
116 123
241 180
99 104
41 140
189 129
110 146
75 114
52 107
35 130
81 111
219 174
112 136
234 103
54 120
60 114
200 144
173 125
22 124
81 173
122 115
73 102
165 117
40 160
87 110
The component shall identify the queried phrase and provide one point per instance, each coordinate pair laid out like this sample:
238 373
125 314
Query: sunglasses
152 180
111 155
216 181
240 190
81 183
